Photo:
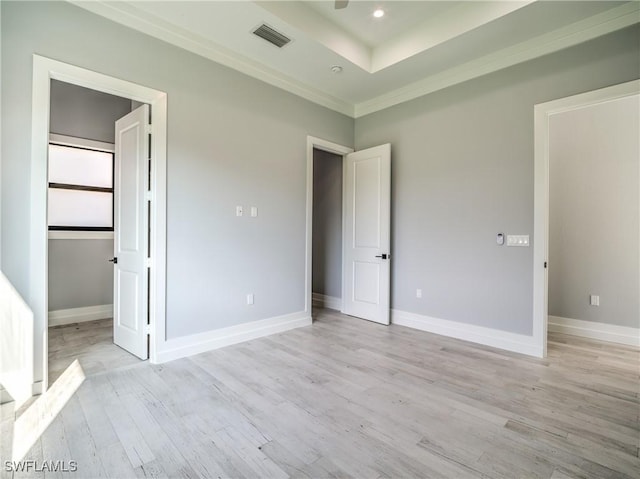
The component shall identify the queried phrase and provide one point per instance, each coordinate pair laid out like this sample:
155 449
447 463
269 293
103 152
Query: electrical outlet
254 211
418 293
518 240
594 300
250 298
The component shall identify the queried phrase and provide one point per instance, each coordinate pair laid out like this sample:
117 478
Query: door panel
367 215
366 282
131 233
129 179
366 204
128 299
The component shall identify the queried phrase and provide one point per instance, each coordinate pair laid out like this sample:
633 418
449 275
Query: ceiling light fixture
336 69
379 13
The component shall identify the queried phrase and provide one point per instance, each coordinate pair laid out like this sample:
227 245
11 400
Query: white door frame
324 145
44 70
542 113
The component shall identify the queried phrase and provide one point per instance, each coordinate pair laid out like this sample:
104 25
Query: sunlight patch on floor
35 420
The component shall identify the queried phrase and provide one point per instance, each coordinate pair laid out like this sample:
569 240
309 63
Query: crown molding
573 34
125 14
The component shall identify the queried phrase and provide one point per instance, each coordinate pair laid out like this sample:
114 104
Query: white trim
44 70
80 315
324 145
81 143
38 388
199 343
496 338
130 16
569 35
542 113
594 330
80 235
324 301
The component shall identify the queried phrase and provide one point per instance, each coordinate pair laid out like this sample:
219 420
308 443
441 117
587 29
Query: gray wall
594 208
327 223
84 113
232 140
462 171
79 273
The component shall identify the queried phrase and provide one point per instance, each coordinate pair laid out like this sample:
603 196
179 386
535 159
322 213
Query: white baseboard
200 343
79 315
594 330
496 338
324 301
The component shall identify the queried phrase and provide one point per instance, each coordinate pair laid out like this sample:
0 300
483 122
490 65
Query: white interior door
366 236
131 219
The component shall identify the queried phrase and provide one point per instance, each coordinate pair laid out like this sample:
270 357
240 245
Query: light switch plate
517 240
238 210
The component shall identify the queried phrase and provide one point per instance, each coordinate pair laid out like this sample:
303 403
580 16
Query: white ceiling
400 17
416 48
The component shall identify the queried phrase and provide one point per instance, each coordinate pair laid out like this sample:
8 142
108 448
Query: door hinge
147 262
147 129
147 329
149 196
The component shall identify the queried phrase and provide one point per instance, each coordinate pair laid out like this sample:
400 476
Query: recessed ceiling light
378 13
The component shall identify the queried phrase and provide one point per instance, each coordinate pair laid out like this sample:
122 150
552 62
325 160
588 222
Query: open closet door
130 221
367 229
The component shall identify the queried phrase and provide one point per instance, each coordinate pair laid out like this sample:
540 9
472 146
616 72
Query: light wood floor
349 398
91 343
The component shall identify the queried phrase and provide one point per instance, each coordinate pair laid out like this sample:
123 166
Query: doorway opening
81 229
327 229
360 269
153 211
586 221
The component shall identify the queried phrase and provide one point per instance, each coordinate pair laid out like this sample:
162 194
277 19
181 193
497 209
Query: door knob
114 260
383 256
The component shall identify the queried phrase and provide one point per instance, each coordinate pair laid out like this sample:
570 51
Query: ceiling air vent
272 36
